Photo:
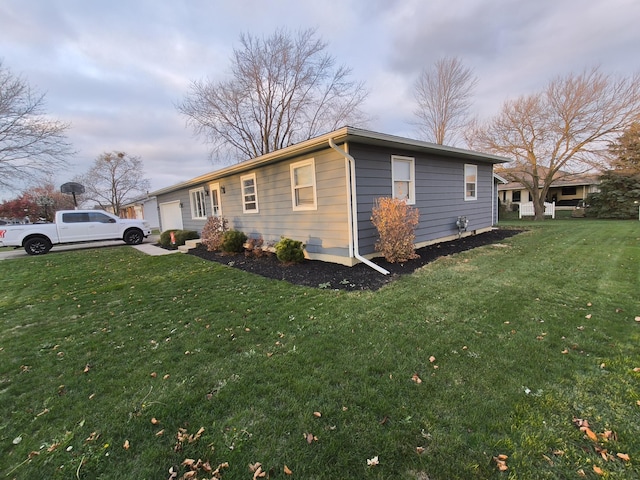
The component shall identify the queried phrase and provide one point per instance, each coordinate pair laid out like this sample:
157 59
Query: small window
403 178
569 191
470 182
516 196
303 185
249 193
198 209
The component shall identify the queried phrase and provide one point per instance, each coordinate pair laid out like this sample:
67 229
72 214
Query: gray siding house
322 191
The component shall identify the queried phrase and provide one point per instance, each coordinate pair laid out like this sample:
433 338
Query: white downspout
353 211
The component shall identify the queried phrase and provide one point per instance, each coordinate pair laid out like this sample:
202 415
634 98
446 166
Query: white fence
527 210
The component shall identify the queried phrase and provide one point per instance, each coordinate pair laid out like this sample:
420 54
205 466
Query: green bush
233 241
289 251
181 237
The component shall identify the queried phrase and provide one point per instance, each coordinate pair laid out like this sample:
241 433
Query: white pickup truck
73 226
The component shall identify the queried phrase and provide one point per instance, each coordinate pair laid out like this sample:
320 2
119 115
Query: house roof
560 179
340 136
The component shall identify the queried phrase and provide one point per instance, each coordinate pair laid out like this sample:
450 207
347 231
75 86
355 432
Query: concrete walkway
148 247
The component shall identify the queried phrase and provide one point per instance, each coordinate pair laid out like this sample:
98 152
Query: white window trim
292 169
412 181
255 190
194 213
475 197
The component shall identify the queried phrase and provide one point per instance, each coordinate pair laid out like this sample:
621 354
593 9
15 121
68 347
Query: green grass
250 360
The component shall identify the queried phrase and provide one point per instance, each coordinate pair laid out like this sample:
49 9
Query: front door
216 205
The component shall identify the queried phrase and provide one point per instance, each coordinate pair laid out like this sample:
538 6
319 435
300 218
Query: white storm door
216 204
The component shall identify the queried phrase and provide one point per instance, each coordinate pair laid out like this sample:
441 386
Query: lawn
517 360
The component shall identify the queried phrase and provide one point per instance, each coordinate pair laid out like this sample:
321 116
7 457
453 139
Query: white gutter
353 211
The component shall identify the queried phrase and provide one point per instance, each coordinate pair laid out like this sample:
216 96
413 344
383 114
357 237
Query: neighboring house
566 190
322 191
143 208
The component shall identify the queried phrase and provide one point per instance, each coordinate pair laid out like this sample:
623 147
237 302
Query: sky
116 70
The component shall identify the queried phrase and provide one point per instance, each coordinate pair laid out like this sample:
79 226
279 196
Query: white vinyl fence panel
527 210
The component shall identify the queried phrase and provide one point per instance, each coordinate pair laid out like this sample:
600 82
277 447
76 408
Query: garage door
171 216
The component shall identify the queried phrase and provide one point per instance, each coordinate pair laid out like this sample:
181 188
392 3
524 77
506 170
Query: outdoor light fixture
222 189
206 193
181 205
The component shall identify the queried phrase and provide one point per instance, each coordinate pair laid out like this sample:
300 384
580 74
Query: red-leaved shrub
213 231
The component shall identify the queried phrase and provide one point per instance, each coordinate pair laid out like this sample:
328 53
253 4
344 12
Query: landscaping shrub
233 241
396 223
289 251
181 237
213 232
254 247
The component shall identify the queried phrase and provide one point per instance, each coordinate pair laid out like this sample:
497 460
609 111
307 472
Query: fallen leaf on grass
501 462
160 433
637 319
153 375
623 456
432 359
372 462
317 414
310 438
581 473
257 471
155 421
87 367
598 470
637 369
416 378
587 316
52 447
589 433
126 445
287 470
565 351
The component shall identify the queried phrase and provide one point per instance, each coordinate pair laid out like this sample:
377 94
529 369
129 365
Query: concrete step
188 245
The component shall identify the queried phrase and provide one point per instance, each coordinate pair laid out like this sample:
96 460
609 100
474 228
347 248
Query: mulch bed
313 273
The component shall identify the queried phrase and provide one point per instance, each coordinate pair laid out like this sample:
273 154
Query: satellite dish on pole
72 188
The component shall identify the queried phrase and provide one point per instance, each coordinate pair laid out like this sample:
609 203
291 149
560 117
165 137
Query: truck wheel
133 237
37 246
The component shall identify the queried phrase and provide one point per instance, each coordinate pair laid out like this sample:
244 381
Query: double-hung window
198 210
470 182
303 185
249 193
403 177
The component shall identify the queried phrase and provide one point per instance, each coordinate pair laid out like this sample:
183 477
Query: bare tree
564 130
30 143
444 95
114 179
283 89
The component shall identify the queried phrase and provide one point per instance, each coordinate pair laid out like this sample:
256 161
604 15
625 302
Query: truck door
73 227
102 227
